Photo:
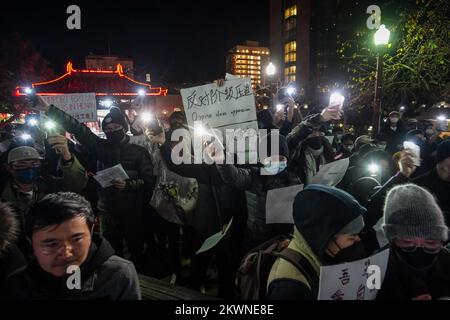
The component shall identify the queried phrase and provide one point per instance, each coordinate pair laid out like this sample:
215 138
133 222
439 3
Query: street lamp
381 38
270 69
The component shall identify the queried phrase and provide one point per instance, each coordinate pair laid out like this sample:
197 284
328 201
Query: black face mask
115 137
314 143
349 254
418 260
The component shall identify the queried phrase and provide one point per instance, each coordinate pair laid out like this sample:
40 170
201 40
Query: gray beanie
412 211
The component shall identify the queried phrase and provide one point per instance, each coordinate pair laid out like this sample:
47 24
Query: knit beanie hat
115 115
443 151
411 211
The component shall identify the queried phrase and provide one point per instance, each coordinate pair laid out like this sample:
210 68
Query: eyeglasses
54 247
432 247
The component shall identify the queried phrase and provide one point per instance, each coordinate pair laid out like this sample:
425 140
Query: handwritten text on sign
216 106
358 280
81 106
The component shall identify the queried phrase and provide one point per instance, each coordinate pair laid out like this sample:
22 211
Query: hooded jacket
320 212
12 261
104 276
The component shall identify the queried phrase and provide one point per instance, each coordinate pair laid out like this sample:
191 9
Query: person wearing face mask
393 133
120 206
327 223
415 228
307 145
257 181
345 149
27 181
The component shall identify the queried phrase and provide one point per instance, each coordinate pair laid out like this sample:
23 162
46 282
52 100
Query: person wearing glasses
418 263
70 261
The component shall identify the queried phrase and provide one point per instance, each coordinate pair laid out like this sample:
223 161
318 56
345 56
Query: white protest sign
355 280
279 204
105 177
212 241
215 106
81 106
330 139
331 173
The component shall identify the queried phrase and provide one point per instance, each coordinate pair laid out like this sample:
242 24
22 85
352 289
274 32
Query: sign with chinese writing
81 106
215 106
355 280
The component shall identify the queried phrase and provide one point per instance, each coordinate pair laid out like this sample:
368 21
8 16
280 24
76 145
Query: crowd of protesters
54 215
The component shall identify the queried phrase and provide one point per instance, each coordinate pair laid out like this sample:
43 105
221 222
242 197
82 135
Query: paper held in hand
415 149
105 177
213 240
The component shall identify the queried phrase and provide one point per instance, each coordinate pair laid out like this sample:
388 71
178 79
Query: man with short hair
60 228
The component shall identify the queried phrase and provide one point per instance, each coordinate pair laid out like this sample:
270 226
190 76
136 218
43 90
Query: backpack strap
302 264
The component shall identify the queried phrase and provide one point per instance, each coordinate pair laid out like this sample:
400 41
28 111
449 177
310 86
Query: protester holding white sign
81 106
327 223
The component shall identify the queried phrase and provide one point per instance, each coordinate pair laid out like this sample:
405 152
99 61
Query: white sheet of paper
214 106
213 240
279 204
105 177
330 139
415 149
348 281
81 106
331 173
4 146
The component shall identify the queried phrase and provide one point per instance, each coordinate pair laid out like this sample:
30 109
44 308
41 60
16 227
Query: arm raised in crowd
236 177
204 173
305 128
83 134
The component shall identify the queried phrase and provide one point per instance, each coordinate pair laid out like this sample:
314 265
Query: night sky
177 41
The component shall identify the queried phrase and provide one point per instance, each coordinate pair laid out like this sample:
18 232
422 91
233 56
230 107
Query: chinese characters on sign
352 281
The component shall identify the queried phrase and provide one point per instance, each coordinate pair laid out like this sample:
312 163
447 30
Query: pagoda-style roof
102 82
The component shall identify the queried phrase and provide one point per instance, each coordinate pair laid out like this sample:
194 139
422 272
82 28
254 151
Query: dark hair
56 208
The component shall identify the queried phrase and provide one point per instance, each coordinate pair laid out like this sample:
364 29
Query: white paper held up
279 204
331 173
213 240
105 177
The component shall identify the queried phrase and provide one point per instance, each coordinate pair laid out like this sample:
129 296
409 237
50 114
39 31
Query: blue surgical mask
27 176
276 167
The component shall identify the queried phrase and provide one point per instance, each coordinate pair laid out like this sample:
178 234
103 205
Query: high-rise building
304 40
248 60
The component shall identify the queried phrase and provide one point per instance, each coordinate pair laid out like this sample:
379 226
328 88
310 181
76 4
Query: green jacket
286 282
73 179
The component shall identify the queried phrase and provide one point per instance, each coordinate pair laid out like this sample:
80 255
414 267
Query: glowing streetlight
382 36
28 90
441 118
270 69
381 39
141 92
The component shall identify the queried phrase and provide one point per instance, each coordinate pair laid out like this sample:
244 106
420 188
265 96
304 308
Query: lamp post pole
381 39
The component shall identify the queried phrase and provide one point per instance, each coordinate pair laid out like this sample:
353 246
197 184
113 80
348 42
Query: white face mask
275 168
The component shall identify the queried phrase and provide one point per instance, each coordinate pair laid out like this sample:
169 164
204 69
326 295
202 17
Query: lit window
290 12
